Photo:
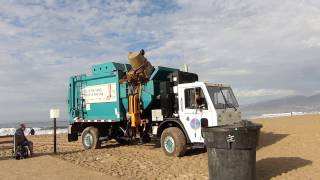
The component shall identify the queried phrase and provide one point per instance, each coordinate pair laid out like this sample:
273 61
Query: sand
288 150
46 167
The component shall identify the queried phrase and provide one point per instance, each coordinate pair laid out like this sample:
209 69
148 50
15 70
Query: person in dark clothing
32 132
200 99
21 139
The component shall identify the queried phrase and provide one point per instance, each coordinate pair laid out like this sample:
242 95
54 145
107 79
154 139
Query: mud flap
72 136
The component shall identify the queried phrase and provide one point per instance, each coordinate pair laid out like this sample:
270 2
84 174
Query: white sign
99 93
54 113
157 115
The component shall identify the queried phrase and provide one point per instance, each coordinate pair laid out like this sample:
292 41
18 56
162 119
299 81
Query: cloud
249 44
265 92
312 42
262 48
8 30
44 43
228 72
316 91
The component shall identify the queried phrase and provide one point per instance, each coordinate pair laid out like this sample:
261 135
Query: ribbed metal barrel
136 59
232 150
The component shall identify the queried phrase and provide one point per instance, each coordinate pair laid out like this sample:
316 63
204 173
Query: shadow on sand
39 154
265 139
195 151
113 145
271 167
269 138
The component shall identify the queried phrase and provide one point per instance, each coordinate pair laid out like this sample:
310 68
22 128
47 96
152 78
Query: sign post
54 114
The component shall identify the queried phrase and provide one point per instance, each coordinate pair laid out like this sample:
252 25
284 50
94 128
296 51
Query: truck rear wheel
90 138
173 142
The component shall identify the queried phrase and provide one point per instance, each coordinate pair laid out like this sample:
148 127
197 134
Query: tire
25 152
173 142
18 156
90 138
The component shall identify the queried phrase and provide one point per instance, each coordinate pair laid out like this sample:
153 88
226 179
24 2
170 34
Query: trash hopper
232 150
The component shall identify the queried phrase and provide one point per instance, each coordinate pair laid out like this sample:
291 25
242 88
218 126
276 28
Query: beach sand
288 150
47 168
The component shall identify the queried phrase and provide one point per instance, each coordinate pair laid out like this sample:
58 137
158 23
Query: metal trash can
232 150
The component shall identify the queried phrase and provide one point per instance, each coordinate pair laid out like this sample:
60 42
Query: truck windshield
222 97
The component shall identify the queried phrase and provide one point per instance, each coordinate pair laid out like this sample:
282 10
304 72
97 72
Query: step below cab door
194 105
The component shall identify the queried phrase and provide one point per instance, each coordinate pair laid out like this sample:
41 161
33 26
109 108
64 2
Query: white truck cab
198 102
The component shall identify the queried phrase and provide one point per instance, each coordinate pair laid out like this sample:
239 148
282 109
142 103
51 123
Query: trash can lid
241 135
242 125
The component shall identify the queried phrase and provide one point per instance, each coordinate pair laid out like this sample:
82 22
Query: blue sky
264 49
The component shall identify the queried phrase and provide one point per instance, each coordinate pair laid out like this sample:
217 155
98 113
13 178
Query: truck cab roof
217 84
198 83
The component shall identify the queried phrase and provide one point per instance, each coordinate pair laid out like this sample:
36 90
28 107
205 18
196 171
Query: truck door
193 107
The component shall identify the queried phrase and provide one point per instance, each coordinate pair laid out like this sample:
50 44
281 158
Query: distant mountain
286 104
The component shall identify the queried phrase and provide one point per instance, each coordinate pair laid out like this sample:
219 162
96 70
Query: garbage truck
135 102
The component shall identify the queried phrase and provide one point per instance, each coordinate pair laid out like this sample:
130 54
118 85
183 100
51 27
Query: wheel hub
88 140
169 144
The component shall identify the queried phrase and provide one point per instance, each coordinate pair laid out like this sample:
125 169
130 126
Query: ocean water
45 127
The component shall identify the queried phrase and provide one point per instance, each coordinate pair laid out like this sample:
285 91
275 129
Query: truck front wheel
90 138
173 142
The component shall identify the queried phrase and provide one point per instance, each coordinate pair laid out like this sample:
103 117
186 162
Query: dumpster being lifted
139 101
